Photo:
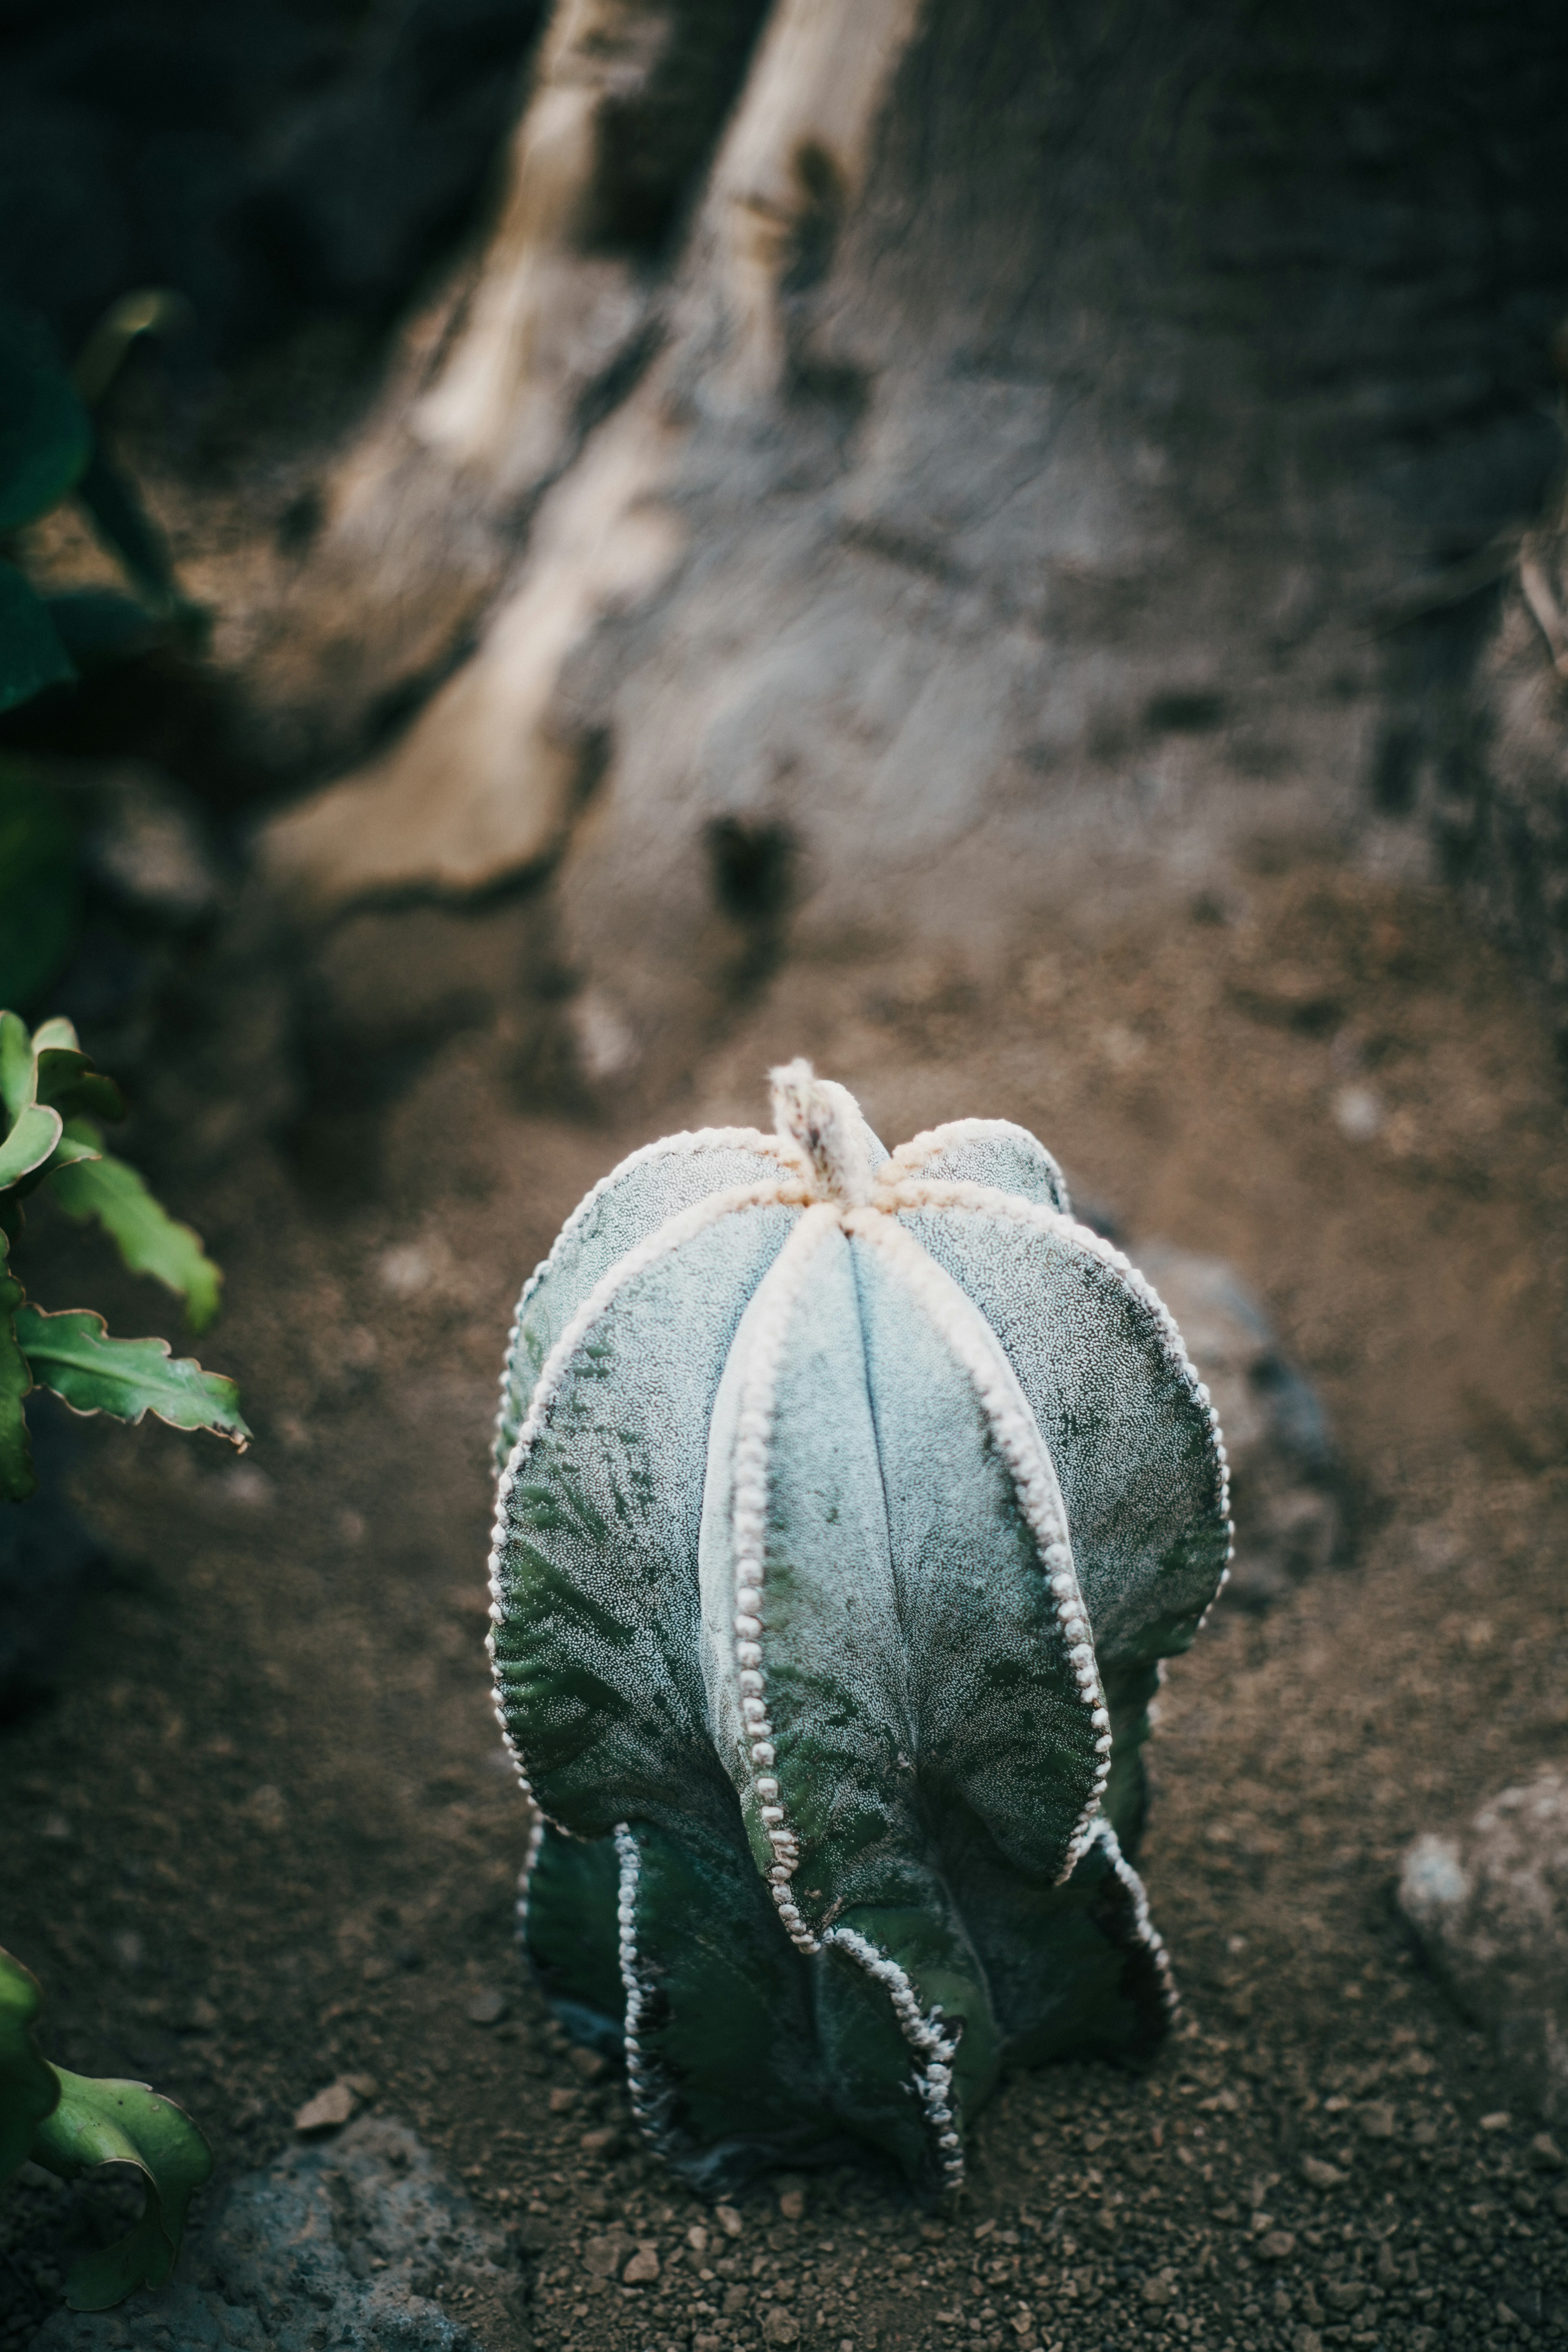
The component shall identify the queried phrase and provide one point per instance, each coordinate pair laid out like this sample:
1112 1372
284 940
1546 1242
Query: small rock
588 2064
488 2006
562 2101
350 2242
1319 2174
737 2299
329 2110
791 2197
1280 2305
1277 2246
1490 1903
535 2233
780 2325
605 2142
1358 1113
1497 2121
1378 2120
1345 2295
1306 2339
1545 2154
697 2238
705 2341
603 2257
1285 1473
1160 2290
729 2221
1560 2200
643 2267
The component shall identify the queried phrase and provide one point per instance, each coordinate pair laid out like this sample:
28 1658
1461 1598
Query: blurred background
1018 550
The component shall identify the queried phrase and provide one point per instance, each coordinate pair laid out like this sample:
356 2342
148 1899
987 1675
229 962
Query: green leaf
31 654
66 1078
17 1480
39 886
29 2088
73 1354
17 1075
30 1141
45 435
98 627
126 2122
56 1035
147 1237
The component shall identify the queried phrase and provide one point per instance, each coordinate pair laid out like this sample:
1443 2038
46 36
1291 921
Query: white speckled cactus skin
848 1503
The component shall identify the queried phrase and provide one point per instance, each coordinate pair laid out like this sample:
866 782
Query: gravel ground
262 1843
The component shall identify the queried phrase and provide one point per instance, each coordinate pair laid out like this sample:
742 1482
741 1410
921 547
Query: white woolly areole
934 2049
1143 1927
778 1296
823 1121
983 1200
1016 1433
671 1235
649 2097
525 1877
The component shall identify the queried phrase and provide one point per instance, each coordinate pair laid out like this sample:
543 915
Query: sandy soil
264 1840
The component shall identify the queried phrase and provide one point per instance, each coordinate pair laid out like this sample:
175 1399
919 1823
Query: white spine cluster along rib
692 1576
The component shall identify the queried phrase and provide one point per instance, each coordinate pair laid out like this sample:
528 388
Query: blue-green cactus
847 1504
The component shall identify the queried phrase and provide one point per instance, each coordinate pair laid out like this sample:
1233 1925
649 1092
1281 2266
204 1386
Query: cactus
848 1503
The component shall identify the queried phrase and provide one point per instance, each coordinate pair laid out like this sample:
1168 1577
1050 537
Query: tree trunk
1034 457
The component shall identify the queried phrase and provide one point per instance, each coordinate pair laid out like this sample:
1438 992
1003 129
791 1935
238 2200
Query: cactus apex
822 1121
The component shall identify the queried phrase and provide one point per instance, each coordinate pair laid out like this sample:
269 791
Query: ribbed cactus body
848 1503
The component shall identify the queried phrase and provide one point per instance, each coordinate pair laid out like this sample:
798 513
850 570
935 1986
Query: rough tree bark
891 460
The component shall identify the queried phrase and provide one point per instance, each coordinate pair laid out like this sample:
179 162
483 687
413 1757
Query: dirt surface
265 1840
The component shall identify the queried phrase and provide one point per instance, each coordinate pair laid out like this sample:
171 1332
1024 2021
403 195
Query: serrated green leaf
40 884
17 1480
72 1353
31 654
148 1239
126 2122
30 1141
46 433
29 2088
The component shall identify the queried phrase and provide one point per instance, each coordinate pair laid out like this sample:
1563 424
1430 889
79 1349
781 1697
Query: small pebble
1545 2154
587 2063
643 2267
1319 2174
729 2221
486 2007
1378 2120
329 2110
562 2101
1277 2246
1500 2120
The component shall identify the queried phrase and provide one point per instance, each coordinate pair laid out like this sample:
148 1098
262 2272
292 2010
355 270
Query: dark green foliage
50 1097
71 2124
